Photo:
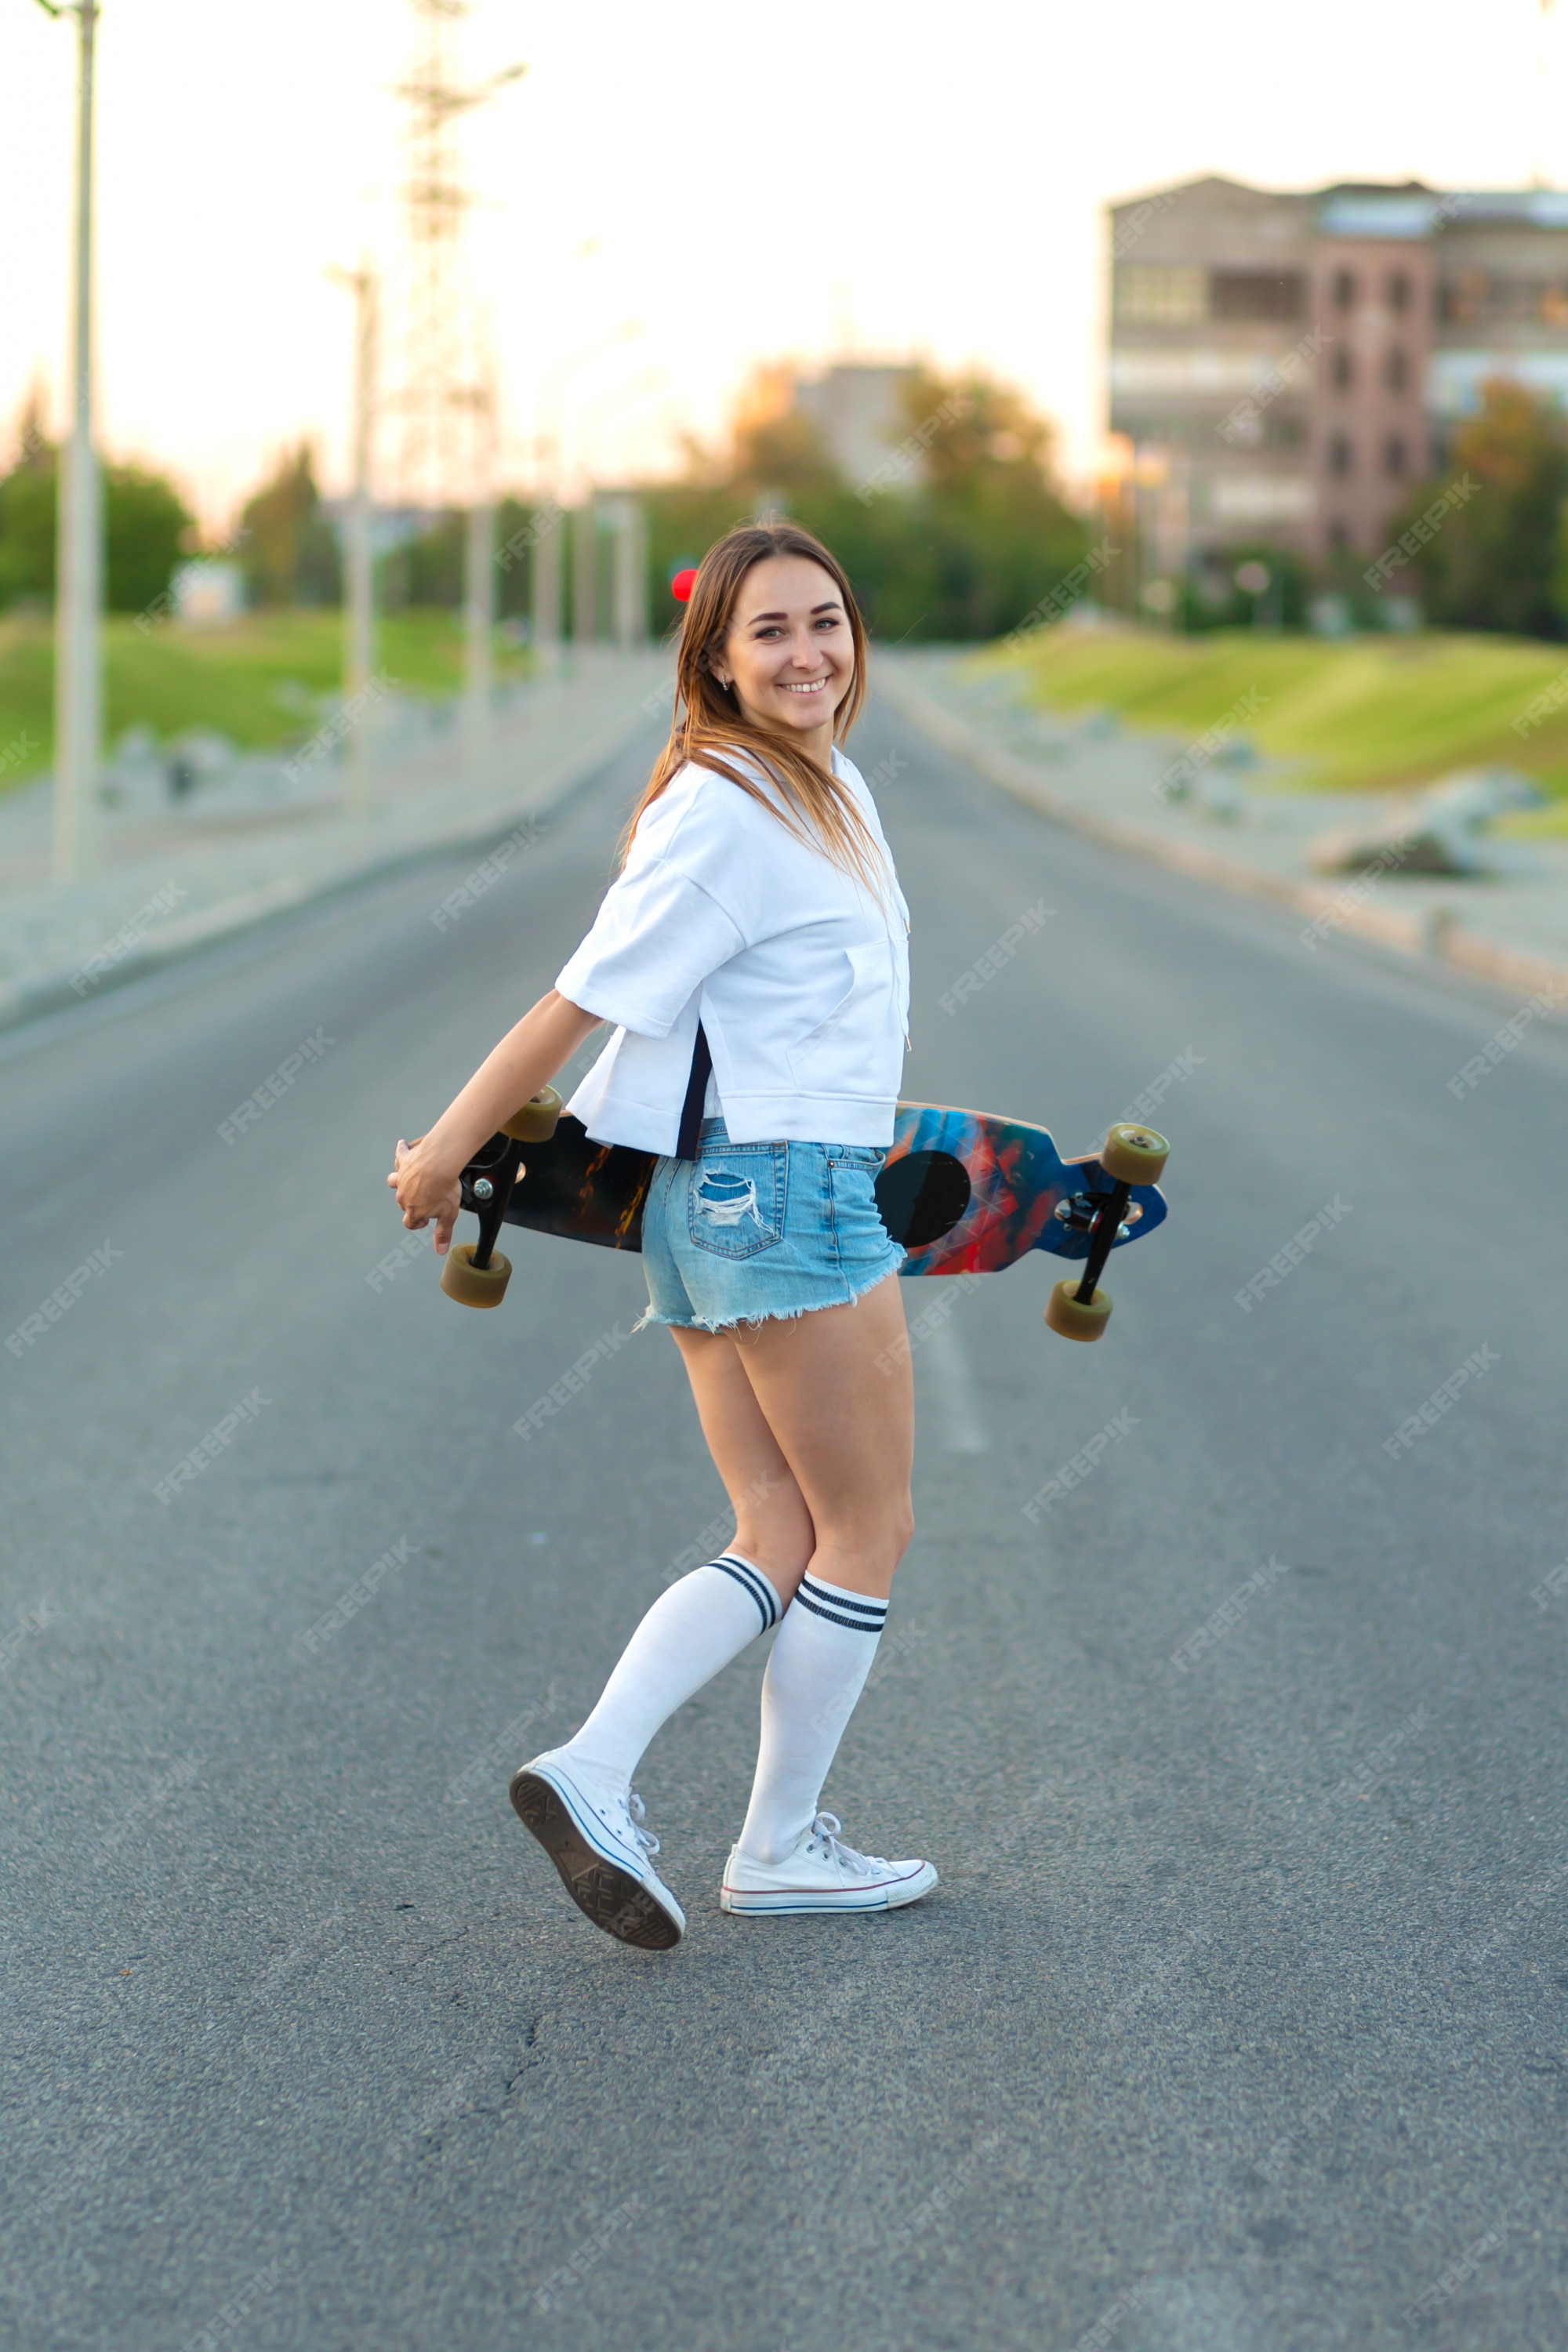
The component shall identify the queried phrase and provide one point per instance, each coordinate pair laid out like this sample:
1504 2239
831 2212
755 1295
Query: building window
1163 432
1395 457
1148 295
1464 301
1398 290
1284 432
1342 370
1344 289
1341 458
1396 368
1521 301
1256 294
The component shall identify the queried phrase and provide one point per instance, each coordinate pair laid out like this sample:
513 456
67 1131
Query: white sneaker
599 1845
822 1874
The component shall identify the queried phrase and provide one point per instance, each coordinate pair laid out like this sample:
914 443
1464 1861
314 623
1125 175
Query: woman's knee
874 1546
901 1533
776 1530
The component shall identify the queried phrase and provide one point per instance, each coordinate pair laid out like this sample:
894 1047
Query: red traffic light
681 586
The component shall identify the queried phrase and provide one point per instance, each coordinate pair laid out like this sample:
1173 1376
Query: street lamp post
628 602
479 621
79 591
358 648
479 587
544 572
584 573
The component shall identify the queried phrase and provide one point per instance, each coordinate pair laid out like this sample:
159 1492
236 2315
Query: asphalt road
1237 2022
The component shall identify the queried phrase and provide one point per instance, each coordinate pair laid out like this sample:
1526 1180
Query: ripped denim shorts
748 1231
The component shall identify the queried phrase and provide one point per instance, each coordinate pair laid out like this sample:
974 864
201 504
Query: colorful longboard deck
965 1192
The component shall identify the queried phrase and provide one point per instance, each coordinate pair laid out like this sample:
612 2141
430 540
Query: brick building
1286 366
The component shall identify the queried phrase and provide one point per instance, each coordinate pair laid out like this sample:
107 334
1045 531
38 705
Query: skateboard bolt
483 1188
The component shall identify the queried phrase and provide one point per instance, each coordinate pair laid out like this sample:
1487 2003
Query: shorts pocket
852 1182
736 1199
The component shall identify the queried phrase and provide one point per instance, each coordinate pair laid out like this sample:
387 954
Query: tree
145 521
428 569
28 527
1492 561
1560 568
1001 536
964 537
290 554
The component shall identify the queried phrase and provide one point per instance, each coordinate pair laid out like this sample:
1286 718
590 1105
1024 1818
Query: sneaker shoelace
825 1829
638 1814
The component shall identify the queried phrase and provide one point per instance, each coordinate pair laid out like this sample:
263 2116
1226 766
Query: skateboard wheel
1072 1317
1133 1155
471 1285
535 1122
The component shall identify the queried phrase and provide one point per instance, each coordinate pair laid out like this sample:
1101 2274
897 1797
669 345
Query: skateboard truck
474 1273
1078 1309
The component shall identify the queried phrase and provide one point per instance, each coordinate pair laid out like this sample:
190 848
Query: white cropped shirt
799 976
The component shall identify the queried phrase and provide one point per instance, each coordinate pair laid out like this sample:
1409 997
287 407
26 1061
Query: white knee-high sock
814 1677
691 1631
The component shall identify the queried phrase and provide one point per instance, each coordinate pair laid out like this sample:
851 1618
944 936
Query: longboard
962 1190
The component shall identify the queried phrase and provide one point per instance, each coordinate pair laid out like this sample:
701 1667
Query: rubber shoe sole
611 1897
777 1903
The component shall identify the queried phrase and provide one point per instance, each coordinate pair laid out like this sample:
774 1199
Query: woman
752 956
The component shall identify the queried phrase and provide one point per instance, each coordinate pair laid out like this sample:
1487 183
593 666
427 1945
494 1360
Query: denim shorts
749 1231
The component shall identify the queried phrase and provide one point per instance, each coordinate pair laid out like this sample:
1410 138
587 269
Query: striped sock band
752 1580
691 1631
852 1610
824 1650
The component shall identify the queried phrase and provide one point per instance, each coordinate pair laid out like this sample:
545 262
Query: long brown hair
707 724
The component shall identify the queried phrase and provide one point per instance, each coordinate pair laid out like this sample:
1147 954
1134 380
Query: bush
1209 598
144 522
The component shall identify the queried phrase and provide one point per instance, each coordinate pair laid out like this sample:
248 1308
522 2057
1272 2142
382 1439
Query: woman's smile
789 610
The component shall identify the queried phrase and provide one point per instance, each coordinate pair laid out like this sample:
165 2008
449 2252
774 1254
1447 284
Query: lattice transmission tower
443 404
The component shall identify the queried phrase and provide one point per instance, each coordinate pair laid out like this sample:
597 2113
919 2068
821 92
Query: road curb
29 1000
1441 937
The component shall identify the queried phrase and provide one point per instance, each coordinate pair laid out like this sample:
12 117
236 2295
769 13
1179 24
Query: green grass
1369 715
254 680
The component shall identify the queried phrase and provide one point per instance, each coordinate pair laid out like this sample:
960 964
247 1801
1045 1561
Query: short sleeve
657 937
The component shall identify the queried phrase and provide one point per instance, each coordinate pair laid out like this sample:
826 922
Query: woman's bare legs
810 1425
772 1525
698 1624
810 1422
831 1397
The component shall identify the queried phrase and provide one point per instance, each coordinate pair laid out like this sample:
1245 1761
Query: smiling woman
772 660
752 955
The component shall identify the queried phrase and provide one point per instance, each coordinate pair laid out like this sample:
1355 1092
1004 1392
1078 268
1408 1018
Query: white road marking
942 1363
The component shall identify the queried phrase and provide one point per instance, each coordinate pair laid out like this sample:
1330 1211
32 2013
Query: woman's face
789 654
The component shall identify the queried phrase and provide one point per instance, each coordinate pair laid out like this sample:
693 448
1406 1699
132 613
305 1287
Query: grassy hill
1370 713
255 680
